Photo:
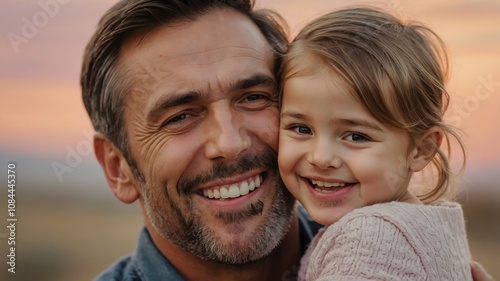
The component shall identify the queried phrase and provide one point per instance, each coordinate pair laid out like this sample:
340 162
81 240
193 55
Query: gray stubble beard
197 237
187 229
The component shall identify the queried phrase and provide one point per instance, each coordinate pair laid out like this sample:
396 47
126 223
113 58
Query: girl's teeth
327 184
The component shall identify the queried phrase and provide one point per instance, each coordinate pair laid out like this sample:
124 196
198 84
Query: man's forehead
175 62
211 68
212 38
211 35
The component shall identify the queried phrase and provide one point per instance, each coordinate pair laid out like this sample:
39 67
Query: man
182 95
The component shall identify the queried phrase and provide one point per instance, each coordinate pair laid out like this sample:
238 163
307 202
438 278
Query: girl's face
334 156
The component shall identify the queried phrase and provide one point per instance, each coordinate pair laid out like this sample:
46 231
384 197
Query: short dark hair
103 86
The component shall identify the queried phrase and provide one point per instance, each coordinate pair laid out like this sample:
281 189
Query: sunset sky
41 113
67 218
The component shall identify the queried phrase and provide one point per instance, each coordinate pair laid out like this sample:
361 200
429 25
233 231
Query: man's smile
234 190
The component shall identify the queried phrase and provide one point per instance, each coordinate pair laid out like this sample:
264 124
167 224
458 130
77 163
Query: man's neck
282 262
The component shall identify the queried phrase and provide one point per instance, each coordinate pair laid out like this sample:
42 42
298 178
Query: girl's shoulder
404 210
404 217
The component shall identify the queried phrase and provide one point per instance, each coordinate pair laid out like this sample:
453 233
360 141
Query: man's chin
246 236
238 246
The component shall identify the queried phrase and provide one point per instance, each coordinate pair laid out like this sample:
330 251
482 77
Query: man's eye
256 101
179 117
357 137
176 119
255 97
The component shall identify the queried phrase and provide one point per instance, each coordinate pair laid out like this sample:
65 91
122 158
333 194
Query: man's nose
227 134
324 154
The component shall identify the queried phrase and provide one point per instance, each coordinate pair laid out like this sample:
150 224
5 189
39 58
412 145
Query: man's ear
425 148
116 169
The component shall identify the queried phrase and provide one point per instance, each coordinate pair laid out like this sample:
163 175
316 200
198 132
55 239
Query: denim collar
150 264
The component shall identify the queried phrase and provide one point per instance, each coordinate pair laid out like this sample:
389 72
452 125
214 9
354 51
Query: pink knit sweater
391 241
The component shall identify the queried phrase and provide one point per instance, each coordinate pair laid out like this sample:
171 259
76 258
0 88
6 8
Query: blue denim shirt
148 264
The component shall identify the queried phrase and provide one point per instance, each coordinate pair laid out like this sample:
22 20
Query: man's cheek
269 131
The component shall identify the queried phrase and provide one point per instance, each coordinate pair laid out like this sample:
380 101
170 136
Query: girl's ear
116 169
425 148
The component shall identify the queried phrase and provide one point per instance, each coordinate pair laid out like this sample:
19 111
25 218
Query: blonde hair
397 70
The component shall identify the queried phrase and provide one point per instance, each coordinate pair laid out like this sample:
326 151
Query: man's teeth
233 190
327 184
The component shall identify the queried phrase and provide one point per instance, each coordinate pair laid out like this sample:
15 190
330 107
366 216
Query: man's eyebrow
258 79
172 100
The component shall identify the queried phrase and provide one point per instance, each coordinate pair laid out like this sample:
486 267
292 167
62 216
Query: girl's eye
303 130
357 137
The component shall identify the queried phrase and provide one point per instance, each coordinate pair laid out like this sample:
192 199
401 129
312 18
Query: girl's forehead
302 62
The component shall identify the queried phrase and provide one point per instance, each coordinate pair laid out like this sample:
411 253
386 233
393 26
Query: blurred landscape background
71 227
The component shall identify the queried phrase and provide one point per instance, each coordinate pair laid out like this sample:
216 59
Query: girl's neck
409 197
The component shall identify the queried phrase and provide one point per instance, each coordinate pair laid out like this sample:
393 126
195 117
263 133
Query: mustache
267 160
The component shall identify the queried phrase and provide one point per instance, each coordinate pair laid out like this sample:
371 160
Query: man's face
202 121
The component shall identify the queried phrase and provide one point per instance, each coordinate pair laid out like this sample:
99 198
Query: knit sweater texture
391 241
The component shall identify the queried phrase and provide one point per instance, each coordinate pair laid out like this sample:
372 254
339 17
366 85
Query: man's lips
233 190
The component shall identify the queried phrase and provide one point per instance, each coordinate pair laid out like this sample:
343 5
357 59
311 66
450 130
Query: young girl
361 111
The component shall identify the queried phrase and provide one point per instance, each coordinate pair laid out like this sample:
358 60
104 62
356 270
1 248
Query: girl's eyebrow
351 122
293 115
356 122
